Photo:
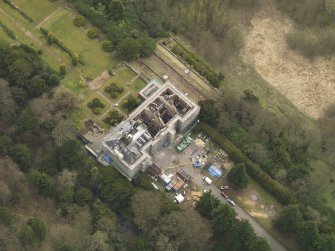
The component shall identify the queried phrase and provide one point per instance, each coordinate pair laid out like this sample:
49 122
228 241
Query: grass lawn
138 85
37 9
259 210
94 59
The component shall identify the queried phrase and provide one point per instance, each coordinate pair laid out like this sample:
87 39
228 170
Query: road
274 244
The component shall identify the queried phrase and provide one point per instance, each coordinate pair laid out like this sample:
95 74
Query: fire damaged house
164 112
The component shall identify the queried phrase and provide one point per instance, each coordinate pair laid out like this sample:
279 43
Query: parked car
224 188
231 202
224 195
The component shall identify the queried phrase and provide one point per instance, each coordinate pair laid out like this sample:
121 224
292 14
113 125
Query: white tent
179 198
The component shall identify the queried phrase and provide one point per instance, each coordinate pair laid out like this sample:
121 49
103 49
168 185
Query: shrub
131 103
107 45
92 33
114 90
113 118
62 69
38 227
79 20
6 217
50 38
75 59
96 106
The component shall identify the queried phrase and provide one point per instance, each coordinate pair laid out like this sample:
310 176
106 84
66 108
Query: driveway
197 179
171 161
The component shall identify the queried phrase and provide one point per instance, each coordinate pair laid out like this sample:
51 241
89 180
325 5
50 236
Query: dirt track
309 85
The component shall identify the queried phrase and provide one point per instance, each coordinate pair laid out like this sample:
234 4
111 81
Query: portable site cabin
214 171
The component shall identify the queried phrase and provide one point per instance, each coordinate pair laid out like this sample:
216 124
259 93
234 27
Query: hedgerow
200 66
8 31
13 6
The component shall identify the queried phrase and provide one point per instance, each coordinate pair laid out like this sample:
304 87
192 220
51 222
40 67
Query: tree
5 143
132 102
113 118
243 237
115 189
53 80
146 206
128 49
223 218
6 216
22 155
147 46
70 155
98 241
39 228
27 236
83 196
79 20
289 219
107 45
260 244
115 10
307 234
207 204
26 121
208 112
185 230
325 242
238 176
44 183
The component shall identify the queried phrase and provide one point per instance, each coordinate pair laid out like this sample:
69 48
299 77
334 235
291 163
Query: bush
107 45
38 227
131 103
6 217
75 59
96 106
114 90
50 38
79 20
62 69
92 33
113 118
83 196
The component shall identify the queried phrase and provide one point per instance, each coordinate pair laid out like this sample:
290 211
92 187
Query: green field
94 59
138 85
38 9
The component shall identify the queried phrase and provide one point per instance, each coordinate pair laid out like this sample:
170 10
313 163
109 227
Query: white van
207 180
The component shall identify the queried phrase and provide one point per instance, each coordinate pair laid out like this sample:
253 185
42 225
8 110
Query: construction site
163 115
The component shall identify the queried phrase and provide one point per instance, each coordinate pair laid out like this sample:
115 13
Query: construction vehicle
186 141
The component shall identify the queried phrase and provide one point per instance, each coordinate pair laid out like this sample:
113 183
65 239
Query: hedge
200 66
45 31
276 189
8 31
25 15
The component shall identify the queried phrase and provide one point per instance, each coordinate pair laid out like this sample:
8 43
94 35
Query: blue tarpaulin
214 171
107 158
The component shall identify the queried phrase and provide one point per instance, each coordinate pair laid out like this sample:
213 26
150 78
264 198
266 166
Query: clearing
309 85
